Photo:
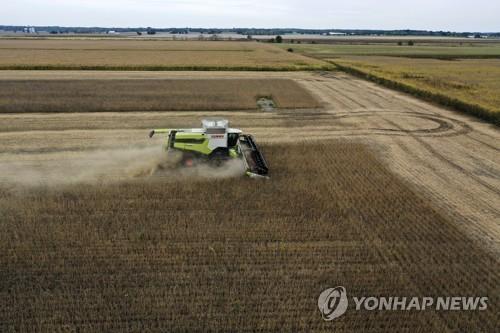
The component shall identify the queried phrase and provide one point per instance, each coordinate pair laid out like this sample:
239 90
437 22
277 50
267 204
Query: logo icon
333 303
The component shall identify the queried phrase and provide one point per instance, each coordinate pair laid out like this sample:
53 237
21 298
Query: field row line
298 68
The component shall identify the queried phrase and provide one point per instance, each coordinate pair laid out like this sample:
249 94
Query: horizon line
247 28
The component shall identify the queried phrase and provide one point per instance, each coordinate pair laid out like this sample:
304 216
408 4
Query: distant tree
400 43
279 39
151 31
54 32
411 43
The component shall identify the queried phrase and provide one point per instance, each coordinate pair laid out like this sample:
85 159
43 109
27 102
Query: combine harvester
215 143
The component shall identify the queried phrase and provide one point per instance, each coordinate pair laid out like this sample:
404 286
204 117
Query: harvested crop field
376 191
149 95
445 49
148 55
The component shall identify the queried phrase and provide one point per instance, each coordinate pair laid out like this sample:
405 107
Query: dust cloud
112 166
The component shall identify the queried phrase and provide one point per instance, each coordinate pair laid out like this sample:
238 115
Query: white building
29 30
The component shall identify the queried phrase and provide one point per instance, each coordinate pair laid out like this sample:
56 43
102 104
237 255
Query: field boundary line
450 57
195 68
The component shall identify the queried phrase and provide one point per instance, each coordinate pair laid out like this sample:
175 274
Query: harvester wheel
218 158
188 161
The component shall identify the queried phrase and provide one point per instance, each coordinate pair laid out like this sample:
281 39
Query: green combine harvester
215 143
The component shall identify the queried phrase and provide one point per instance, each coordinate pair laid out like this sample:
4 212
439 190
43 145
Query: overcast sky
455 15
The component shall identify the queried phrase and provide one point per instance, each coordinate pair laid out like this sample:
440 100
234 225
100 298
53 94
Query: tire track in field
405 147
445 124
441 156
466 129
479 225
434 152
483 143
414 104
349 102
446 179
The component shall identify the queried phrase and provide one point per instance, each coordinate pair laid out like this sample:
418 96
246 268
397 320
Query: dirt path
452 158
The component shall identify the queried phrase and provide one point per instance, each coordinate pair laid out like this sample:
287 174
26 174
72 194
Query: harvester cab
215 143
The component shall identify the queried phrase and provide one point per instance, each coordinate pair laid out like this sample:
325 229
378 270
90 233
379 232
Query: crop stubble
167 256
